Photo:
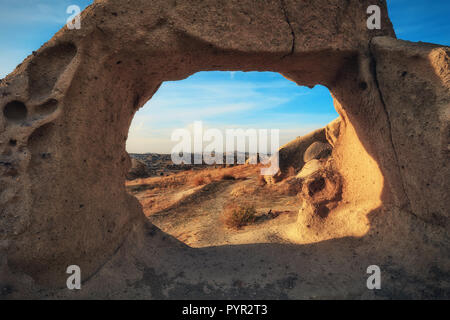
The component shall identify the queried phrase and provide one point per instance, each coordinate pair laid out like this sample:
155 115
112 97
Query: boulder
291 155
138 170
310 168
317 150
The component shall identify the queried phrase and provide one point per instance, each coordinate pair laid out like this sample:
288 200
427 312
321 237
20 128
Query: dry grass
227 176
261 180
195 178
157 193
200 180
237 216
288 187
204 192
157 183
245 190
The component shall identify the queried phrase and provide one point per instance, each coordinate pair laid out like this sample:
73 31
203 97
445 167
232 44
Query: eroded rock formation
291 155
67 108
138 170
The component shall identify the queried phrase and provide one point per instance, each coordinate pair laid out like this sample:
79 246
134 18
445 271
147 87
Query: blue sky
219 99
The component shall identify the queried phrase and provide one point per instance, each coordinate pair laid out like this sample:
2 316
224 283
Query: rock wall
414 80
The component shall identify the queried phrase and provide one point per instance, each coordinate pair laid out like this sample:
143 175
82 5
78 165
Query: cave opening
211 203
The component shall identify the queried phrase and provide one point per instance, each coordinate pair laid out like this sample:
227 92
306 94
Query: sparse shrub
227 176
237 216
199 180
244 191
261 180
139 188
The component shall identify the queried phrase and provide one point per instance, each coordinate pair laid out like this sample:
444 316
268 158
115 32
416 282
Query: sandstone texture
381 199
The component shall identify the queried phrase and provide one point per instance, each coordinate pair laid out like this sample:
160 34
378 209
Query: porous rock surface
67 108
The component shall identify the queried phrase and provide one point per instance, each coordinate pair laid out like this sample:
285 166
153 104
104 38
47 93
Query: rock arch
62 196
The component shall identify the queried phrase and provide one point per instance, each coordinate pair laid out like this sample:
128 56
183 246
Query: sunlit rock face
67 108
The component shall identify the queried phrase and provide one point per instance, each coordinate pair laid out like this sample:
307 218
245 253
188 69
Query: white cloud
222 105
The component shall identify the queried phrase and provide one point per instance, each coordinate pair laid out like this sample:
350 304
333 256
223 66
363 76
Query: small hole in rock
323 212
363 86
12 142
15 111
316 186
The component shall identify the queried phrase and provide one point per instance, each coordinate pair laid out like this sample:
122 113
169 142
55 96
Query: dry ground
190 205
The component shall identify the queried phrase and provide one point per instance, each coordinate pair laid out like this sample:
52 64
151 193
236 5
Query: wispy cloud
176 102
226 104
